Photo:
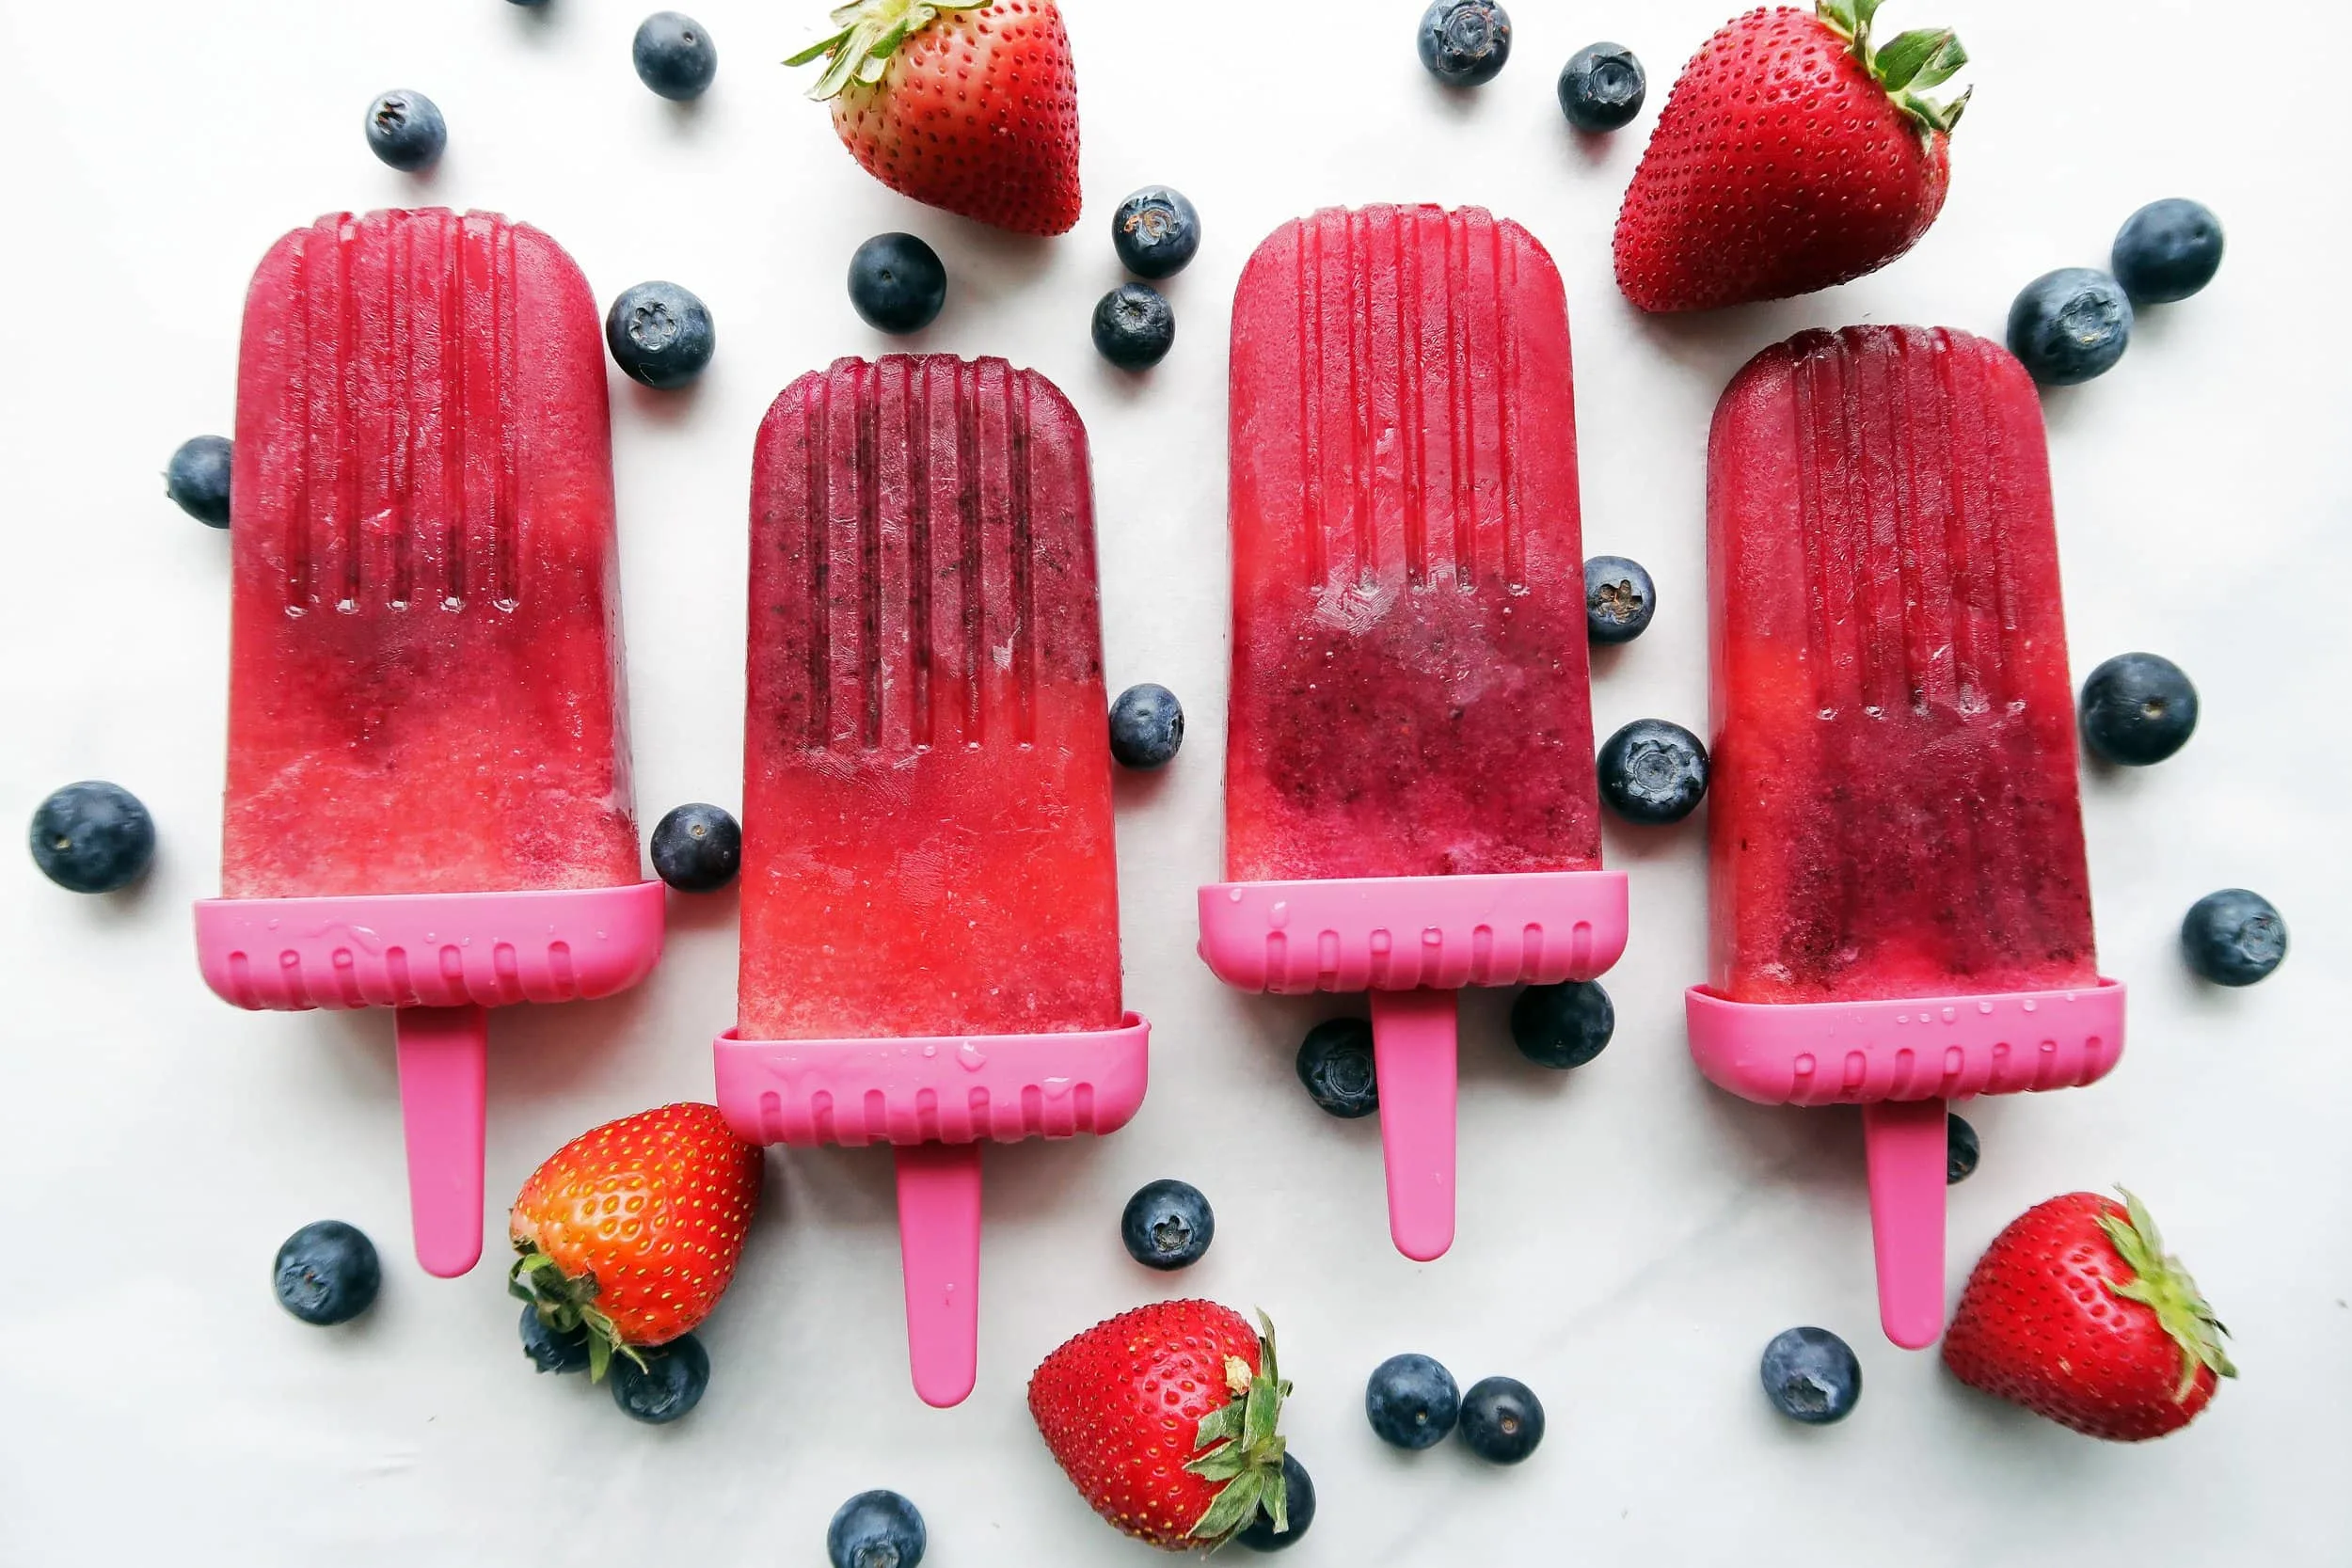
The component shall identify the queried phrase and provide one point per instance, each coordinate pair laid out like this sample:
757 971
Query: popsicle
930 915
428 803
1900 905
1410 804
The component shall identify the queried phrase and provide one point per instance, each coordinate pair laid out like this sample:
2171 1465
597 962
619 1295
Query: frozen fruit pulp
927 844
1411 691
425 681
1895 810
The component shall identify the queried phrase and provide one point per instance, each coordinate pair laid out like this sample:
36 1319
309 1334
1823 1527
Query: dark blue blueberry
1411 1401
1653 772
2168 250
2138 709
1960 1151
670 1384
407 130
1335 1063
1146 726
697 848
876 1530
2070 325
1298 1502
92 837
897 283
1564 1026
2233 937
1618 599
197 479
1155 232
1502 1421
551 1349
1133 327
327 1273
674 56
1811 1377
659 334
1464 42
1167 1224
1601 87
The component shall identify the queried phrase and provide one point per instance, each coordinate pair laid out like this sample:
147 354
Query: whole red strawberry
633 1228
966 104
1792 154
1164 1418
2076 1313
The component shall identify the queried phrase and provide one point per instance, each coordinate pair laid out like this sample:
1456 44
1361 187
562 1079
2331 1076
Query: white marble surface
1629 1238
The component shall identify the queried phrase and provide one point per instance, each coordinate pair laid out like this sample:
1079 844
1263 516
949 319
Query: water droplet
1057 1089
1279 915
1984 1007
972 1057
273 926
1232 895
2028 1005
1950 1014
930 1050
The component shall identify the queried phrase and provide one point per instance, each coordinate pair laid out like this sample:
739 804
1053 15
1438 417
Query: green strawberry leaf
1234 1508
1902 58
1221 1425
1242 1447
2161 1283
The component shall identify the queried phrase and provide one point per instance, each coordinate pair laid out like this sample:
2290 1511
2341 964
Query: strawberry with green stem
971 105
1166 1419
1794 152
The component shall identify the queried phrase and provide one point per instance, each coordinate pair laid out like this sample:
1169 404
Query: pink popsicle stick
939 1247
444 1073
1905 1143
1413 1055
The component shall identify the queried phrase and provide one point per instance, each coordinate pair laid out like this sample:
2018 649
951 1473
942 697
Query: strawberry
1792 154
1163 1418
2076 1313
966 104
633 1228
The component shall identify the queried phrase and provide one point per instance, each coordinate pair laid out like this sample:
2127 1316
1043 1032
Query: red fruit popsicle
931 910
428 802
1410 803
1901 909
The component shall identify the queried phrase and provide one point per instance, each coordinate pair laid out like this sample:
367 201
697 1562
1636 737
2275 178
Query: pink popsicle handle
939 1246
1413 1036
1905 1143
444 1088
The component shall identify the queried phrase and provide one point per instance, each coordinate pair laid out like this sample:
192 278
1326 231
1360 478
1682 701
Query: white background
1630 1237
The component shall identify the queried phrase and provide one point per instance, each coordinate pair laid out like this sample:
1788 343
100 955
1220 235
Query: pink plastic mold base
1902 1060
439 960
936 1101
1412 941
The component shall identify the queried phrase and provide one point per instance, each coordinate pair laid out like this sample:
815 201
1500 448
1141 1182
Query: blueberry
1961 1150
1601 87
1146 726
1155 232
1618 599
659 334
1134 328
92 837
1653 772
897 283
2168 250
1811 1375
197 479
1335 1063
407 130
1502 1421
674 56
2070 325
876 1530
697 848
327 1273
551 1349
1564 1026
1167 1224
2233 937
1464 42
2138 709
1411 1401
1298 1502
669 1385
